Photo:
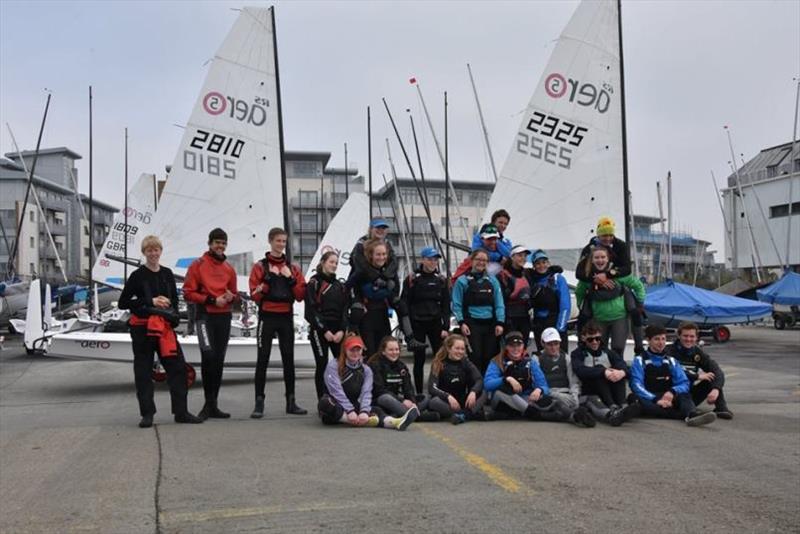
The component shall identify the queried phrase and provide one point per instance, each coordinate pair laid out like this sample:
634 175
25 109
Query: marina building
761 203
63 209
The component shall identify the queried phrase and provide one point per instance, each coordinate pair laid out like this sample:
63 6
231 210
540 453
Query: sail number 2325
555 153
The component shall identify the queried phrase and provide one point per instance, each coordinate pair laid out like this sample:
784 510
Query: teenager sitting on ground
455 384
603 375
660 384
704 373
391 383
349 398
517 386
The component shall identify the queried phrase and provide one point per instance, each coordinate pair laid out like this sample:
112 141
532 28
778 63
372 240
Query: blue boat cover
785 291
681 302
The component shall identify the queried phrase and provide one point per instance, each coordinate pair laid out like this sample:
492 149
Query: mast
446 190
669 225
625 131
346 175
50 239
12 256
369 160
722 210
753 246
403 238
662 248
635 253
483 123
442 160
399 197
791 180
280 135
91 196
125 213
413 175
425 201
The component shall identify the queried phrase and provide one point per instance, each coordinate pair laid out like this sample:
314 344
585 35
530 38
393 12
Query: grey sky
691 67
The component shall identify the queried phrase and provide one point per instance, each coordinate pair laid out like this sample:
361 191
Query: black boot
215 413
205 412
258 411
146 422
292 407
187 418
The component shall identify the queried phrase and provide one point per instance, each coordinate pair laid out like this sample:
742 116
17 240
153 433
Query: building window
308 222
33 243
419 225
308 246
772 171
782 210
308 198
32 269
797 165
32 216
309 169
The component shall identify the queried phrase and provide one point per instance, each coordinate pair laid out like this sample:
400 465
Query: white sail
227 172
345 229
141 206
565 167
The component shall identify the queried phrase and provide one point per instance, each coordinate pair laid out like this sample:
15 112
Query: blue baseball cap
430 252
539 255
379 223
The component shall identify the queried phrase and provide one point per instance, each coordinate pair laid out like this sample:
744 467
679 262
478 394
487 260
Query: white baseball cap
550 334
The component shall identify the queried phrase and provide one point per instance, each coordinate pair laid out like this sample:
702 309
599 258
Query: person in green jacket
608 305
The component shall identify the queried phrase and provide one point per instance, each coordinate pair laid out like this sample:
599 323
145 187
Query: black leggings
374 327
218 329
433 331
442 407
609 392
682 407
700 391
483 343
320 346
270 324
144 347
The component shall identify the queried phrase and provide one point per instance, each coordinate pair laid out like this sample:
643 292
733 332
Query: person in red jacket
211 284
275 284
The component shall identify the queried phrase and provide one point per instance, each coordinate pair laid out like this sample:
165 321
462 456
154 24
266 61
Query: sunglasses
592 339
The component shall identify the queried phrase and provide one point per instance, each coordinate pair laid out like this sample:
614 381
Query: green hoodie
614 309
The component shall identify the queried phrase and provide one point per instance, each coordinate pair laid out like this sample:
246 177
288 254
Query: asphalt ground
73 460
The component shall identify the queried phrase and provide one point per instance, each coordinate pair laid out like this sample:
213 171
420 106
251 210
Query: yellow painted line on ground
239 513
729 375
495 473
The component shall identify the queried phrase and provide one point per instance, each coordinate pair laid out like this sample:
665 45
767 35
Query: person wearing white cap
557 368
515 284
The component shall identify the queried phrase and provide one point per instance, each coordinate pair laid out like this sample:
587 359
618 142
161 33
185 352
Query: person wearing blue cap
426 293
550 297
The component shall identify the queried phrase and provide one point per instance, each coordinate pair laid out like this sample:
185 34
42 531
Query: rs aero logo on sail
255 113
587 94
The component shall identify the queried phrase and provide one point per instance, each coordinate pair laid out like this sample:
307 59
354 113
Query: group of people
481 370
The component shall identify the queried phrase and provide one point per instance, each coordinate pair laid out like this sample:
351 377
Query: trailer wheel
722 334
790 321
191 375
779 324
159 374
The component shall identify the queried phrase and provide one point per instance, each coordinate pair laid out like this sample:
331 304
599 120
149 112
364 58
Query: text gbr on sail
584 94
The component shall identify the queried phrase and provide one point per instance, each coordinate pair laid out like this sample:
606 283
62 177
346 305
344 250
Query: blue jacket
494 378
504 247
478 312
562 290
680 384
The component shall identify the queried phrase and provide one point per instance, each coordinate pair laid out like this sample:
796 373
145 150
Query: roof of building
306 155
782 157
99 203
46 151
438 182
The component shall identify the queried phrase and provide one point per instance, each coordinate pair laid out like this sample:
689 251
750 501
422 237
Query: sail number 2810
216 144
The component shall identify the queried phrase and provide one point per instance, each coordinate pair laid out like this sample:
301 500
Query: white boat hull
117 347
